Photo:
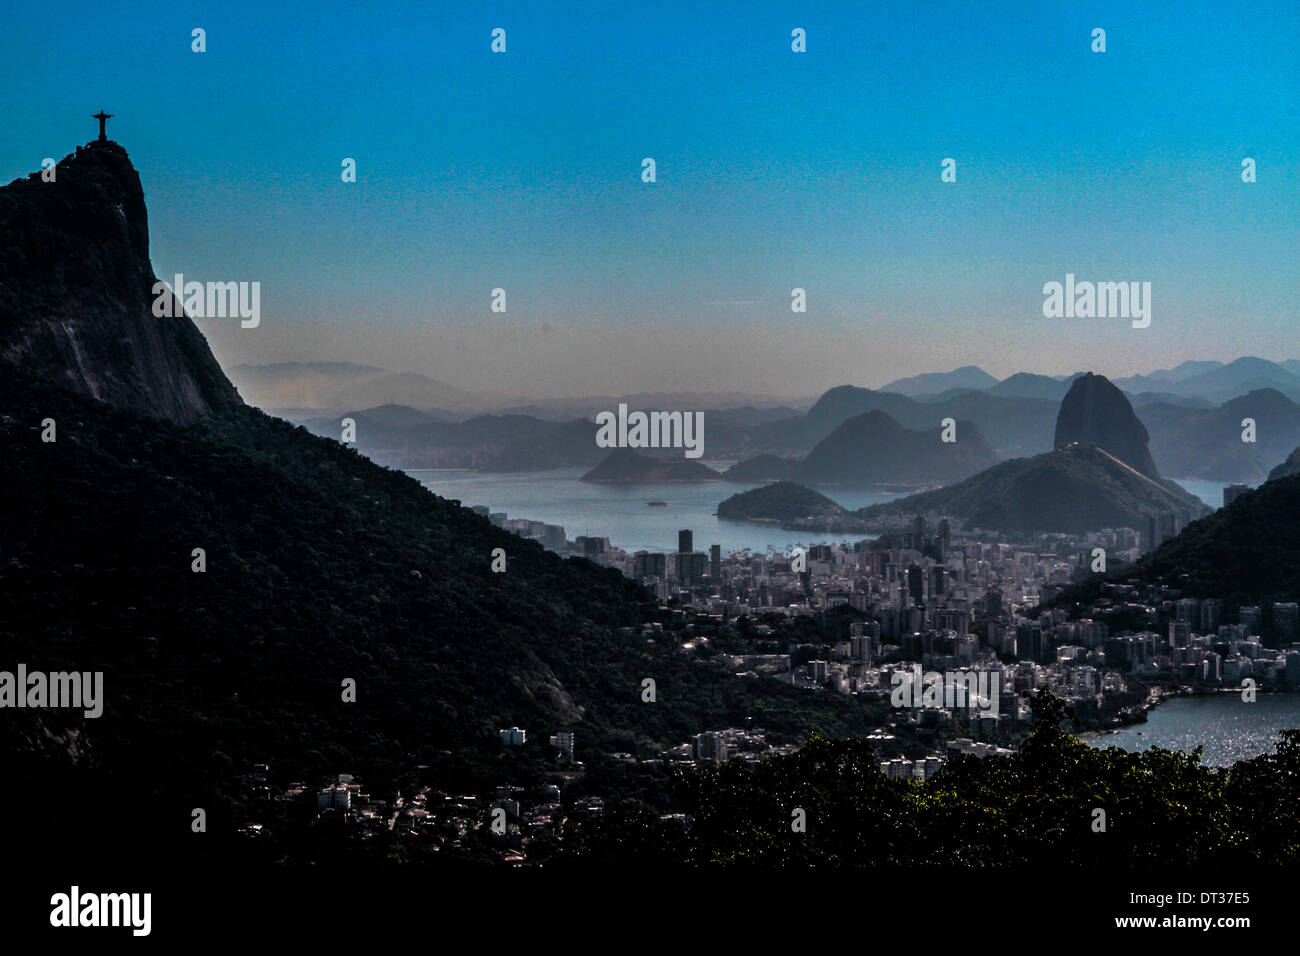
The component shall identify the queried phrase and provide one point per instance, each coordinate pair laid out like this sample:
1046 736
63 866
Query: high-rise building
1030 645
1213 667
1248 616
1160 528
916 581
715 562
685 541
993 603
592 546
690 568
1286 619
563 742
1211 615
938 580
646 564
711 745
1292 672
334 798
890 626
861 641
1232 492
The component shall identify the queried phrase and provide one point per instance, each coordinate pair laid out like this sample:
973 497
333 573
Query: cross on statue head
102 117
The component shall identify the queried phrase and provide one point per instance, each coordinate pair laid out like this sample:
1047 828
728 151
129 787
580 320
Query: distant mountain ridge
873 449
968 376
1017 417
762 468
1213 381
336 386
1012 426
342 385
1219 382
1208 443
1082 485
1028 385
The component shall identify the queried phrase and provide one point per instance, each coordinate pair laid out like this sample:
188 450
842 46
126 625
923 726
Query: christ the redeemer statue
102 117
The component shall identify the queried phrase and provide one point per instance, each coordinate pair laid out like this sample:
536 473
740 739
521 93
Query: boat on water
657 504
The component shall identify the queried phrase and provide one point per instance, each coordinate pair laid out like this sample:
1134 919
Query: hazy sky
775 170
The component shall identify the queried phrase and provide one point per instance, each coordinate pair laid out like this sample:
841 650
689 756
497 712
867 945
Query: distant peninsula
791 506
624 466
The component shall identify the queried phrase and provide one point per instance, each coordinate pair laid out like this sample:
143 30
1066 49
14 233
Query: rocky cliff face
1095 412
76 293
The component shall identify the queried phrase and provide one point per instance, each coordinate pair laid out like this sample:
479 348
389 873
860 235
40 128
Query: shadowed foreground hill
1033 808
1073 489
1291 466
321 566
1244 553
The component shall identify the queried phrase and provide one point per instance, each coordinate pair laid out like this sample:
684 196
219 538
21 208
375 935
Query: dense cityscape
886 610
954 603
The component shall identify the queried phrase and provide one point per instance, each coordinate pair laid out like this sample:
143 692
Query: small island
791 506
626 467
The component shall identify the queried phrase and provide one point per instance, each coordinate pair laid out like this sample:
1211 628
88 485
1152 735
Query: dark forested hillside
1245 552
1036 808
321 566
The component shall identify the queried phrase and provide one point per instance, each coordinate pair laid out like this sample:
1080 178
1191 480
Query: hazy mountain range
1193 414
313 389
1214 381
835 444
306 388
1099 475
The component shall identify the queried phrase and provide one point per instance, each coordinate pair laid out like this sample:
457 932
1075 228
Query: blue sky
819 170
